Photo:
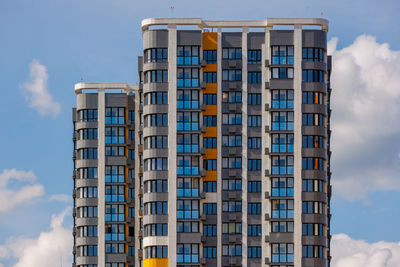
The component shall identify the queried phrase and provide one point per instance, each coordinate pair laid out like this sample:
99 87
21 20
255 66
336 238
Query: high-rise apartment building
218 157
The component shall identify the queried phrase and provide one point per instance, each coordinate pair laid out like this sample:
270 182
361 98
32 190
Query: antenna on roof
322 14
172 9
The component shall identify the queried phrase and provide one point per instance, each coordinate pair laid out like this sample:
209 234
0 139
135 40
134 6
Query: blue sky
99 41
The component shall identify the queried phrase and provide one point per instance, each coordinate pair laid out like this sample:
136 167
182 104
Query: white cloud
48 250
37 93
347 252
61 198
366 110
11 198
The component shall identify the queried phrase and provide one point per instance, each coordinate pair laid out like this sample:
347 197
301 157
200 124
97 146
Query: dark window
232 97
313 76
232 140
313 251
210 121
254 77
87 114
254 56
282 54
209 186
231 75
282 164
188 55
231 53
313 98
210 56
210 77
232 119
210 142
188 99
282 121
210 99
254 208
313 54
313 119
254 99
254 142
254 120
210 164
313 164
314 141
156 55
254 164
282 227
282 73
156 98
254 186
156 76
282 143
188 227
282 187
188 77
254 252
282 252
282 98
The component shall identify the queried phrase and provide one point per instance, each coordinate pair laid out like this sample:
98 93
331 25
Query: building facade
220 156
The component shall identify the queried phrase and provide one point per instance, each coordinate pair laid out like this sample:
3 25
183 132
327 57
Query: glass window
282 164
282 121
282 99
282 143
231 75
282 208
187 77
210 56
188 55
282 252
156 55
254 56
282 73
282 187
282 54
231 53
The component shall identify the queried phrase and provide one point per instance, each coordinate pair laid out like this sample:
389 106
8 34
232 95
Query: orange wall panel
210 110
210 68
210 40
211 153
210 132
161 262
210 176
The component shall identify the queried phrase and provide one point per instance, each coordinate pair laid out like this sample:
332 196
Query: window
115 115
88 153
156 252
254 164
313 119
156 207
232 140
188 165
209 252
282 227
313 163
282 143
231 250
254 252
87 192
254 186
313 141
115 193
131 252
232 206
188 209
254 208
313 98
254 230
210 99
282 164
313 54
310 185
254 99
156 186
313 76
210 77
188 121
187 77
209 187
313 207
232 163
156 55
188 187
156 76
210 56
282 187
88 173
210 121
156 229
282 208
131 116
282 252
232 97
313 251
232 228
115 232
232 119
282 73
88 250
282 98
156 164
188 227
254 142
87 114
210 208
254 56
156 98
131 154
188 55
157 141
254 77
132 135
188 99
313 229
282 54
187 143
210 142
231 75
282 121
115 174
232 184
209 230
87 231
187 253
115 213
231 53
254 120
115 264
115 135
114 151
89 134
210 164
87 212
157 119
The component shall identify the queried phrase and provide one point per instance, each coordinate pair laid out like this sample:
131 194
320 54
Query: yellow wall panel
162 262
210 40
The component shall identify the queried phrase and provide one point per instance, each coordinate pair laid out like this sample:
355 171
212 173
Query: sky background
46 46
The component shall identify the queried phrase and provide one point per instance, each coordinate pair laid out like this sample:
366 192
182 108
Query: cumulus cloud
50 248
10 197
60 198
37 93
348 252
366 107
